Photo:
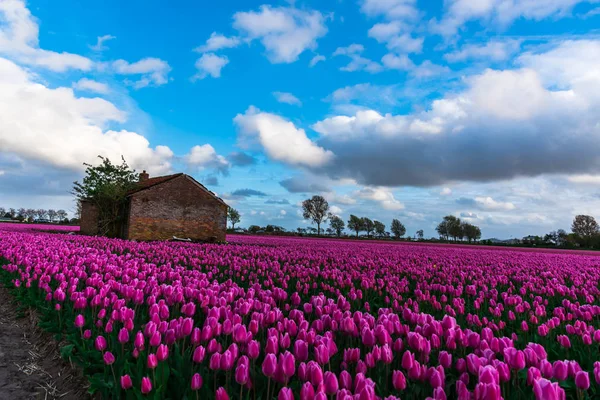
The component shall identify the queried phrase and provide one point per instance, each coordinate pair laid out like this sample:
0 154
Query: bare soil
30 364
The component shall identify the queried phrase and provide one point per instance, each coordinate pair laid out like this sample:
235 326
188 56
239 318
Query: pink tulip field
292 318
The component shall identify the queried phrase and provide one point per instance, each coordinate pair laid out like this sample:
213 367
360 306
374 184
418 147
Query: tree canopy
315 210
398 228
106 186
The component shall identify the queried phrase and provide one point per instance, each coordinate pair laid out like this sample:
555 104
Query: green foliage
368 225
356 224
233 216
379 228
398 229
315 210
106 186
337 224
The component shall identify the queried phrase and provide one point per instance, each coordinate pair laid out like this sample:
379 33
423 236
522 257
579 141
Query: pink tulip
546 390
100 343
582 380
162 353
242 374
146 385
199 353
109 358
269 365
331 383
285 394
307 392
152 361
123 336
196 383
398 380
221 394
79 321
126 382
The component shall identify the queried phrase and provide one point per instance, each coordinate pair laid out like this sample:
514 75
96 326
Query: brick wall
88 224
176 208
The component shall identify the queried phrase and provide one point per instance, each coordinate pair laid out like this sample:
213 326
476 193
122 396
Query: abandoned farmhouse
164 207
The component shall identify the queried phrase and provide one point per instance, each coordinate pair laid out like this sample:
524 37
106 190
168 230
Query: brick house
163 207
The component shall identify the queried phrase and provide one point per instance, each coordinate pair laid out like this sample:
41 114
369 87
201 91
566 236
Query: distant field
37 227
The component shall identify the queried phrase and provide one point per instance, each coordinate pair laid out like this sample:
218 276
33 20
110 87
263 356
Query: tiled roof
152 182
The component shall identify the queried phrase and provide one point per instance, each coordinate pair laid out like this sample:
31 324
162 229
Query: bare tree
41 213
51 214
62 214
316 210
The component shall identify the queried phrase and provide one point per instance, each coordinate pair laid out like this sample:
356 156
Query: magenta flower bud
289 364
398 380
146 385
239 333
199 354
316 374
126 382
546 390
79 321
156 339
407 360
582 380
196 383
87 334
533 374
187 327
269 365
221 394
301 350
561 370
435 379
285 394
100 343
345 380
109 358
123 336
307 392
227 360
215 362
253 349
597 372
152 361
162 353
139 340
241 374
331 383
445 359
503 372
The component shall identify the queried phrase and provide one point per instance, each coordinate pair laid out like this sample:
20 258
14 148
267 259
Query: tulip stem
268 387
241 391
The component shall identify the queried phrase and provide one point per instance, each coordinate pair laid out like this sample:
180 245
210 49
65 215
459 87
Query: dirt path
30 365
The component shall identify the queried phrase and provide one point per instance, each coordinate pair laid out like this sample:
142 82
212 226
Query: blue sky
389 108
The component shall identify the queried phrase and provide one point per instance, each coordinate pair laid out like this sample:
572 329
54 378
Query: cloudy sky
409 109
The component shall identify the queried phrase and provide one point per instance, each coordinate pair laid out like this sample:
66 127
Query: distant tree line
453 227
35 215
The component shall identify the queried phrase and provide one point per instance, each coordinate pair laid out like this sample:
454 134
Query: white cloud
285 32
335 210
494 50
282 212
19 40
210 64
446 191
385 31
354 48
381 195
401 63
287 98
154 71
218 41
205 156
392 9
586 179
90 85
316 59
281 140
405 43
499 12
99 46
67 130
357 62
556 131
427 69
488 203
